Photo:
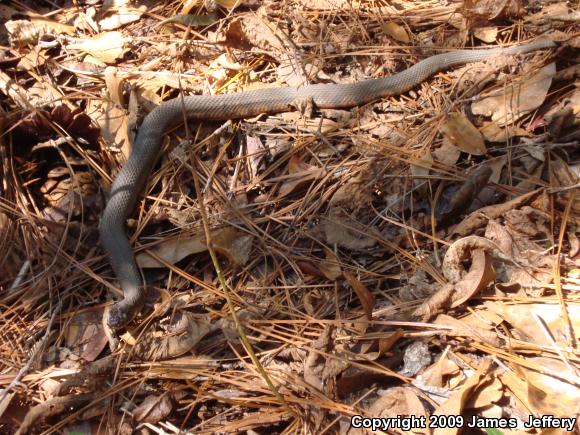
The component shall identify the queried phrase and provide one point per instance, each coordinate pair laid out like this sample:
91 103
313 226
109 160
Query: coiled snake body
132 178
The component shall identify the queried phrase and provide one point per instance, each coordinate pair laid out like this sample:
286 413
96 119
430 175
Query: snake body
132 178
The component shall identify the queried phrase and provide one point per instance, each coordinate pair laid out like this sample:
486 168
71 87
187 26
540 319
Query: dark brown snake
133 176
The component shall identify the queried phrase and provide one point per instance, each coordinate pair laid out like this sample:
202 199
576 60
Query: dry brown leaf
471 327
153 409
552 396
461 250
528 319
437 373
456 403
556 11
365 296
521 389
517 99
232 243
107 47
420 170
399 401
463 134
172 250
486 34
490 392
84 335
490 9
113 122
388 341
396 31
333 5
330 266
447 153
23 32
480 218
299 173
122 16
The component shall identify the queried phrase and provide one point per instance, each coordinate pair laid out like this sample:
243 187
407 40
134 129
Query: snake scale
133 176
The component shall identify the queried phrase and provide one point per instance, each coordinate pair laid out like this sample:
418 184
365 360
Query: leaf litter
416 257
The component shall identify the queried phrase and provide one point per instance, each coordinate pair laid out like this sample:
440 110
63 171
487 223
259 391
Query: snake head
120 314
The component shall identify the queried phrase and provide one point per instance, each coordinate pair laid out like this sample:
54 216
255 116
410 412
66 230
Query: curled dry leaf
172 250
107 47
549 395
84 335
191 20
461 250
479 218
463 134
490 392
447 153
518 99
490 9
480 275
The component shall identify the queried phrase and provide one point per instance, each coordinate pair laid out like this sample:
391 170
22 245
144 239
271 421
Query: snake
132 177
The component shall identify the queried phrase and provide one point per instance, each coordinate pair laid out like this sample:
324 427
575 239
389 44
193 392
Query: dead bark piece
54 406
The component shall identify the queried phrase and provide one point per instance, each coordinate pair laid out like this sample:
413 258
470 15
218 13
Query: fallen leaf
517 99
526 319
107 47
365 297
456 403
399 402
172 250
330 266
121 17
463 134
480 275
437 373
153 409
486 34
191 20
396 31
232 243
